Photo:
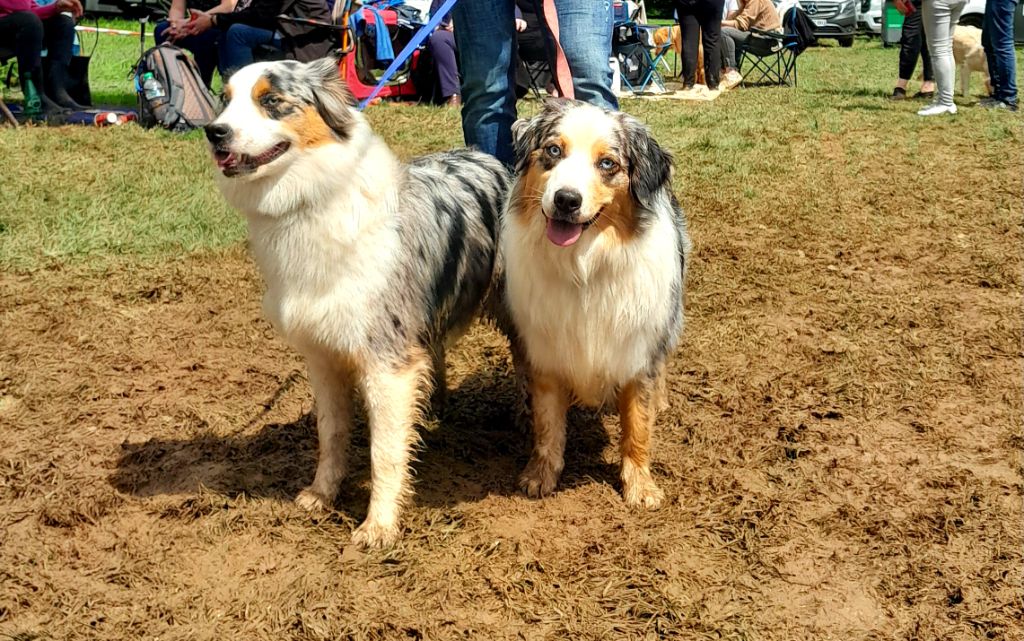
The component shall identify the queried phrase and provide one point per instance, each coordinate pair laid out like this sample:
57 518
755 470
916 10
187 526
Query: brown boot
454 100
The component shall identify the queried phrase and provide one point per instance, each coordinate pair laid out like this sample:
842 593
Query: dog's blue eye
606 164
554 151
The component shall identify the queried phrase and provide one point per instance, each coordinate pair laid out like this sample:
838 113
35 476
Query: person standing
485 34
997 39
913 44
940 18
701 19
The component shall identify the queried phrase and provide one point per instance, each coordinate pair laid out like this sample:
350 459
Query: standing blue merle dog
371 265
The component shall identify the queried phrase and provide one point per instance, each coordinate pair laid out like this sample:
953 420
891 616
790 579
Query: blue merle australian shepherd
370 264
595 251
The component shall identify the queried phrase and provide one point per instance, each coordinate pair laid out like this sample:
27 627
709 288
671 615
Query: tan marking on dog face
260 88
611 195
309 128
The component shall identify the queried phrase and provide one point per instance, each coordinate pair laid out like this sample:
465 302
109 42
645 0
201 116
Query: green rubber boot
33 101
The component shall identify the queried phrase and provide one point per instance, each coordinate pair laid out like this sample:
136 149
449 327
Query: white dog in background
969 56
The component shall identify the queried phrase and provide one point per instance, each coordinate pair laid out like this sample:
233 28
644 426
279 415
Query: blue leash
407 52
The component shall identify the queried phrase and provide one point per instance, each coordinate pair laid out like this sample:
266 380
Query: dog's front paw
642 492
372 534
539 478
312 501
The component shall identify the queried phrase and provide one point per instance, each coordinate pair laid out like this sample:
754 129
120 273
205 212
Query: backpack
171 92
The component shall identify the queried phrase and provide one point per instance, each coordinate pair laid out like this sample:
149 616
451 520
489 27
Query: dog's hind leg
332 391
965 80
550 401
394 398
637 410
439 369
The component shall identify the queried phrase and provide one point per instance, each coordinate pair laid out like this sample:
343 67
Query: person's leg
690 29
739 40
25 30
990 51
59 39
728 48
585 32
204 50
710 18
910 48
938 31
442 48
999 29
926 60
237 46
485 38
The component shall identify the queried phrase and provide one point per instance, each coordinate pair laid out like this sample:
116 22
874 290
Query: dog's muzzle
563 225
234 164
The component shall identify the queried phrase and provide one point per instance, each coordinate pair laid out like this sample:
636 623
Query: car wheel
846 42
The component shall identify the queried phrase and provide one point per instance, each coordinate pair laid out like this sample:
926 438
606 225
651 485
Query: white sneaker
937 110
732 78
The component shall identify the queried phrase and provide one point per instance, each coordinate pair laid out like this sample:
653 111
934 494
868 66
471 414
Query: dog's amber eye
553 150
607 164
269 101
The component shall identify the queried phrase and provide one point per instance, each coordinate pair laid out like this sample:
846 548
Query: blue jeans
238 44
203 48
997 38
486 36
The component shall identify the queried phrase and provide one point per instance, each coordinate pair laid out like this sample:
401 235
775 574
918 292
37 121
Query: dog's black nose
568 200
218 133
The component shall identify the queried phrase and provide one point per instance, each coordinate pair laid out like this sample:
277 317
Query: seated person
28 29
442 50
203 46
531 45
727 47
753 14
254 24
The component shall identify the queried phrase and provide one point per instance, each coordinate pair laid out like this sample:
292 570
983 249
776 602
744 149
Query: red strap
563 76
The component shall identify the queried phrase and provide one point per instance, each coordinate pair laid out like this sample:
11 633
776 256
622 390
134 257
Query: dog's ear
331 96
523 141
650 166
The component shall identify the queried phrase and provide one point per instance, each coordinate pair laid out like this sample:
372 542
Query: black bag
171 91
799 30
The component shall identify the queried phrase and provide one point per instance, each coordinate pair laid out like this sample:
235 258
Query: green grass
75 194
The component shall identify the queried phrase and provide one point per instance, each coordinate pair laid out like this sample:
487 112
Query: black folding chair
773 55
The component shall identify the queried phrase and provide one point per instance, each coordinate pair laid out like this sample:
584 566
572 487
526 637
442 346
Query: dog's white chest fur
593 313
322 275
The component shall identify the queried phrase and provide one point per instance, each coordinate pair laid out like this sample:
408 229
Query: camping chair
772 59
773 55
638 56
534 75
5 56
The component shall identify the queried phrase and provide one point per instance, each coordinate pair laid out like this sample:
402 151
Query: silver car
833 19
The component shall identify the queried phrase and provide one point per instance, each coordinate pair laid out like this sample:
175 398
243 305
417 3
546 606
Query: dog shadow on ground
474 449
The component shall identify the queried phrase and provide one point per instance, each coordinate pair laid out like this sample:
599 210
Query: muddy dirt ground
841 456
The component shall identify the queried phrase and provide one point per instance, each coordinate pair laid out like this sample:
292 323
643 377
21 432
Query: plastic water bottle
151 87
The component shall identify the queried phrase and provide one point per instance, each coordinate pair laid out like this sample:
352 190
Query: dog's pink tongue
562 233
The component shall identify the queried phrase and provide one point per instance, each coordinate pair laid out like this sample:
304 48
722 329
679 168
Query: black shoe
899 93
924 95
998 105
